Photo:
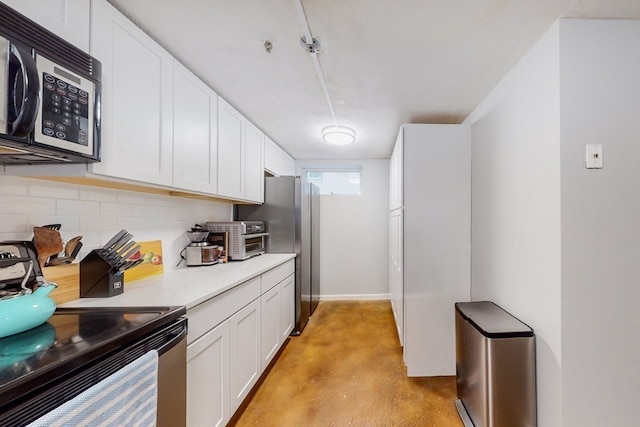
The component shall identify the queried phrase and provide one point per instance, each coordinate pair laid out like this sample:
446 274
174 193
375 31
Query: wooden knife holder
99 278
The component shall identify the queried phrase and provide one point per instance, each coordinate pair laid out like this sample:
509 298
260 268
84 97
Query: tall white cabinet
429 241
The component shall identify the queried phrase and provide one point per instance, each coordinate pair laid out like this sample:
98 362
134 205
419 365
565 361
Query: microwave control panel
65 110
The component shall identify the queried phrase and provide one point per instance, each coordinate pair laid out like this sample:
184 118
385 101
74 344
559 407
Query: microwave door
23 92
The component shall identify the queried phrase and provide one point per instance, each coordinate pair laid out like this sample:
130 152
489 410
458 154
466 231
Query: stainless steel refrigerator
291 213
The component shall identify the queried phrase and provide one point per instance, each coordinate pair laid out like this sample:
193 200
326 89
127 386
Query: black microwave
49 96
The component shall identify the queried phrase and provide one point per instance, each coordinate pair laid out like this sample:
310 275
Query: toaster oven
246 238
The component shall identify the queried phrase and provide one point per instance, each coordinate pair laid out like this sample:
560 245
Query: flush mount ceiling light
338 135
335 134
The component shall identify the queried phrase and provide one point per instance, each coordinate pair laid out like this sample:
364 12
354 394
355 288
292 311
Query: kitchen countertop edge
186 286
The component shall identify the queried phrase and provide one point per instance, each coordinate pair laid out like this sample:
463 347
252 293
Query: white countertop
187 286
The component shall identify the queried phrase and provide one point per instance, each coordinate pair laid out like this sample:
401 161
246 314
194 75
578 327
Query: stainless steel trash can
495 367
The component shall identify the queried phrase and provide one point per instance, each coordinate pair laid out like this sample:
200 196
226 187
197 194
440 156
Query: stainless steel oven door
255 244
67 114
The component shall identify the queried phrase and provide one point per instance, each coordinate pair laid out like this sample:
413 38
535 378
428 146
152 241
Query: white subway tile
98 195
138 222
14 223
146 199
161 211
68 222
157 225
16 236
100 222
25 204
38 188
92 238
115 209
13 185
77 207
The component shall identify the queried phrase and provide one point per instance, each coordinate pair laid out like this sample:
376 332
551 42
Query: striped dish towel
129 397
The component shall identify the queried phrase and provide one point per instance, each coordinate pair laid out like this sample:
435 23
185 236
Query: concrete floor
346 369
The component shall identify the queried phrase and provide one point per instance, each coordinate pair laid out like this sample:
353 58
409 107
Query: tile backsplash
98 213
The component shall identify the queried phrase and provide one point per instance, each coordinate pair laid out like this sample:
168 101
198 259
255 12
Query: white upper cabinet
240 156
396 174
195 133
137 76
276 160
231 149
287 307
254 164
68 19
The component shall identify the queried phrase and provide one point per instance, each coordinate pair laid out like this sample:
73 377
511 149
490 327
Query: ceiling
385 62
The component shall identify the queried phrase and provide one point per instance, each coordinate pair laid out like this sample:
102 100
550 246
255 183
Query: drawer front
277 275
211 313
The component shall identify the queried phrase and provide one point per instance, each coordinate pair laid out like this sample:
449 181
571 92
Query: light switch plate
594 156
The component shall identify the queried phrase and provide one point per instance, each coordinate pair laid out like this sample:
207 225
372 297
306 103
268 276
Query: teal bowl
24 312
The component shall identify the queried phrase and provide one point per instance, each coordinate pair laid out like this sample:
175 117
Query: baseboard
355 297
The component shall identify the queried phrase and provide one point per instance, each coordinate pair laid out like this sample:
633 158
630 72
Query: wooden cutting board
67 277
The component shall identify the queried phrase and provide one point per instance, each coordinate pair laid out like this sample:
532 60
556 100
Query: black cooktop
70 339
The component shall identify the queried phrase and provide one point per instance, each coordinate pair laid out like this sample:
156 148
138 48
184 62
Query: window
336 182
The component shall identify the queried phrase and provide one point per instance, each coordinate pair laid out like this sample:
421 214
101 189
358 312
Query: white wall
515 205
97 214
600 104
354 234
557 244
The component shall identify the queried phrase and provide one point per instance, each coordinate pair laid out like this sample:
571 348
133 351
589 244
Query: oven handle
251 236
176 333
25 119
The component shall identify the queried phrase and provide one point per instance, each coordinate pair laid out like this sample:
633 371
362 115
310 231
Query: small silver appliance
200 251
246 238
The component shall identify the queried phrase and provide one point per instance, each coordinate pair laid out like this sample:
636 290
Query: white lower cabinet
271 340
246 352
278 312
287 307
208 379
232 338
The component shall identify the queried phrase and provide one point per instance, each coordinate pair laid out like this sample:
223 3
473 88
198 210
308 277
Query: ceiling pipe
310 41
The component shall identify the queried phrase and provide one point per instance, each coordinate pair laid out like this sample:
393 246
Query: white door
68 19
137 116
270 302
195 133
254 164
246 352
287 307
231 149
208 392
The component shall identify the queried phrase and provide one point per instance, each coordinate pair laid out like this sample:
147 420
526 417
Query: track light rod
310 43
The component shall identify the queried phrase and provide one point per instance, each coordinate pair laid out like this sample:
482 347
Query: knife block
99 278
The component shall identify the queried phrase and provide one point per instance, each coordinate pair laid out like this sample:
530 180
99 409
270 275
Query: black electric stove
75 340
